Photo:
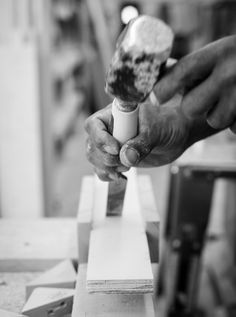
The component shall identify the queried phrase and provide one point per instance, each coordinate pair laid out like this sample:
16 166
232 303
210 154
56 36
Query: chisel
142 49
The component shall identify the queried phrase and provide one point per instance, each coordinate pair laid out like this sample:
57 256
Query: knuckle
188 111
216 122
99 142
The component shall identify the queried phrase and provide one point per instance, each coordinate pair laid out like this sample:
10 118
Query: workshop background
53 59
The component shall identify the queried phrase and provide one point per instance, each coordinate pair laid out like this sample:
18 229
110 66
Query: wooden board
148 209
36 245
112 305
63 275
119 260
44 302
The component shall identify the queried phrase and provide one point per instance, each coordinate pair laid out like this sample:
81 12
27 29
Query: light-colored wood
125 123
150 215
84 217
36 245
119 260
4 313
57 301
63 275
112 305
147 205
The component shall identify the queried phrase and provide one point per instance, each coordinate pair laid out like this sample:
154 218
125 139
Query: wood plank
148 208
119 260
112 305
36 245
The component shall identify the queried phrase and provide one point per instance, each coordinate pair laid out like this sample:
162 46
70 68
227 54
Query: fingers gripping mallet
142 48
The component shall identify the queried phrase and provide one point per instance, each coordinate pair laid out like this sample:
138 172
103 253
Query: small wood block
119 260
112 305
84 218
44 302
4 313
63 275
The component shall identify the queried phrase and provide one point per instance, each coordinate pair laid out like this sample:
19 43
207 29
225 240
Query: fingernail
114 176
130 156
122 169
111 150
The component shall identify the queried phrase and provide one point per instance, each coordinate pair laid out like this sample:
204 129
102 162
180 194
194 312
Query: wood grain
119 260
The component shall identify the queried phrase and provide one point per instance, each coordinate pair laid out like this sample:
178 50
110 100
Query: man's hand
207 79
162 137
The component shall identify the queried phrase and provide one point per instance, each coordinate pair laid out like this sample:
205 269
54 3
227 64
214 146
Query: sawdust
12 290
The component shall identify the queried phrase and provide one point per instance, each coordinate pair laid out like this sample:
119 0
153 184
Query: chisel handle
125 125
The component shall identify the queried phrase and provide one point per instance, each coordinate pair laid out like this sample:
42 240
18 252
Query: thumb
133 151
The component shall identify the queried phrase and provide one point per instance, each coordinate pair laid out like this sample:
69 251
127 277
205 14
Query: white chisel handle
125 126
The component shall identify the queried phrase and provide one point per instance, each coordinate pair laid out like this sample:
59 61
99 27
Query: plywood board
119 260
36 245
112 305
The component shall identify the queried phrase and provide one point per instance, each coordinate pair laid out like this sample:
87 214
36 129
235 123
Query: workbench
27 248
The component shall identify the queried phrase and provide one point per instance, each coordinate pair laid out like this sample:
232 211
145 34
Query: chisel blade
116 195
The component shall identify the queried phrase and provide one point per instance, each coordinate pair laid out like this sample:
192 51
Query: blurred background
53 59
